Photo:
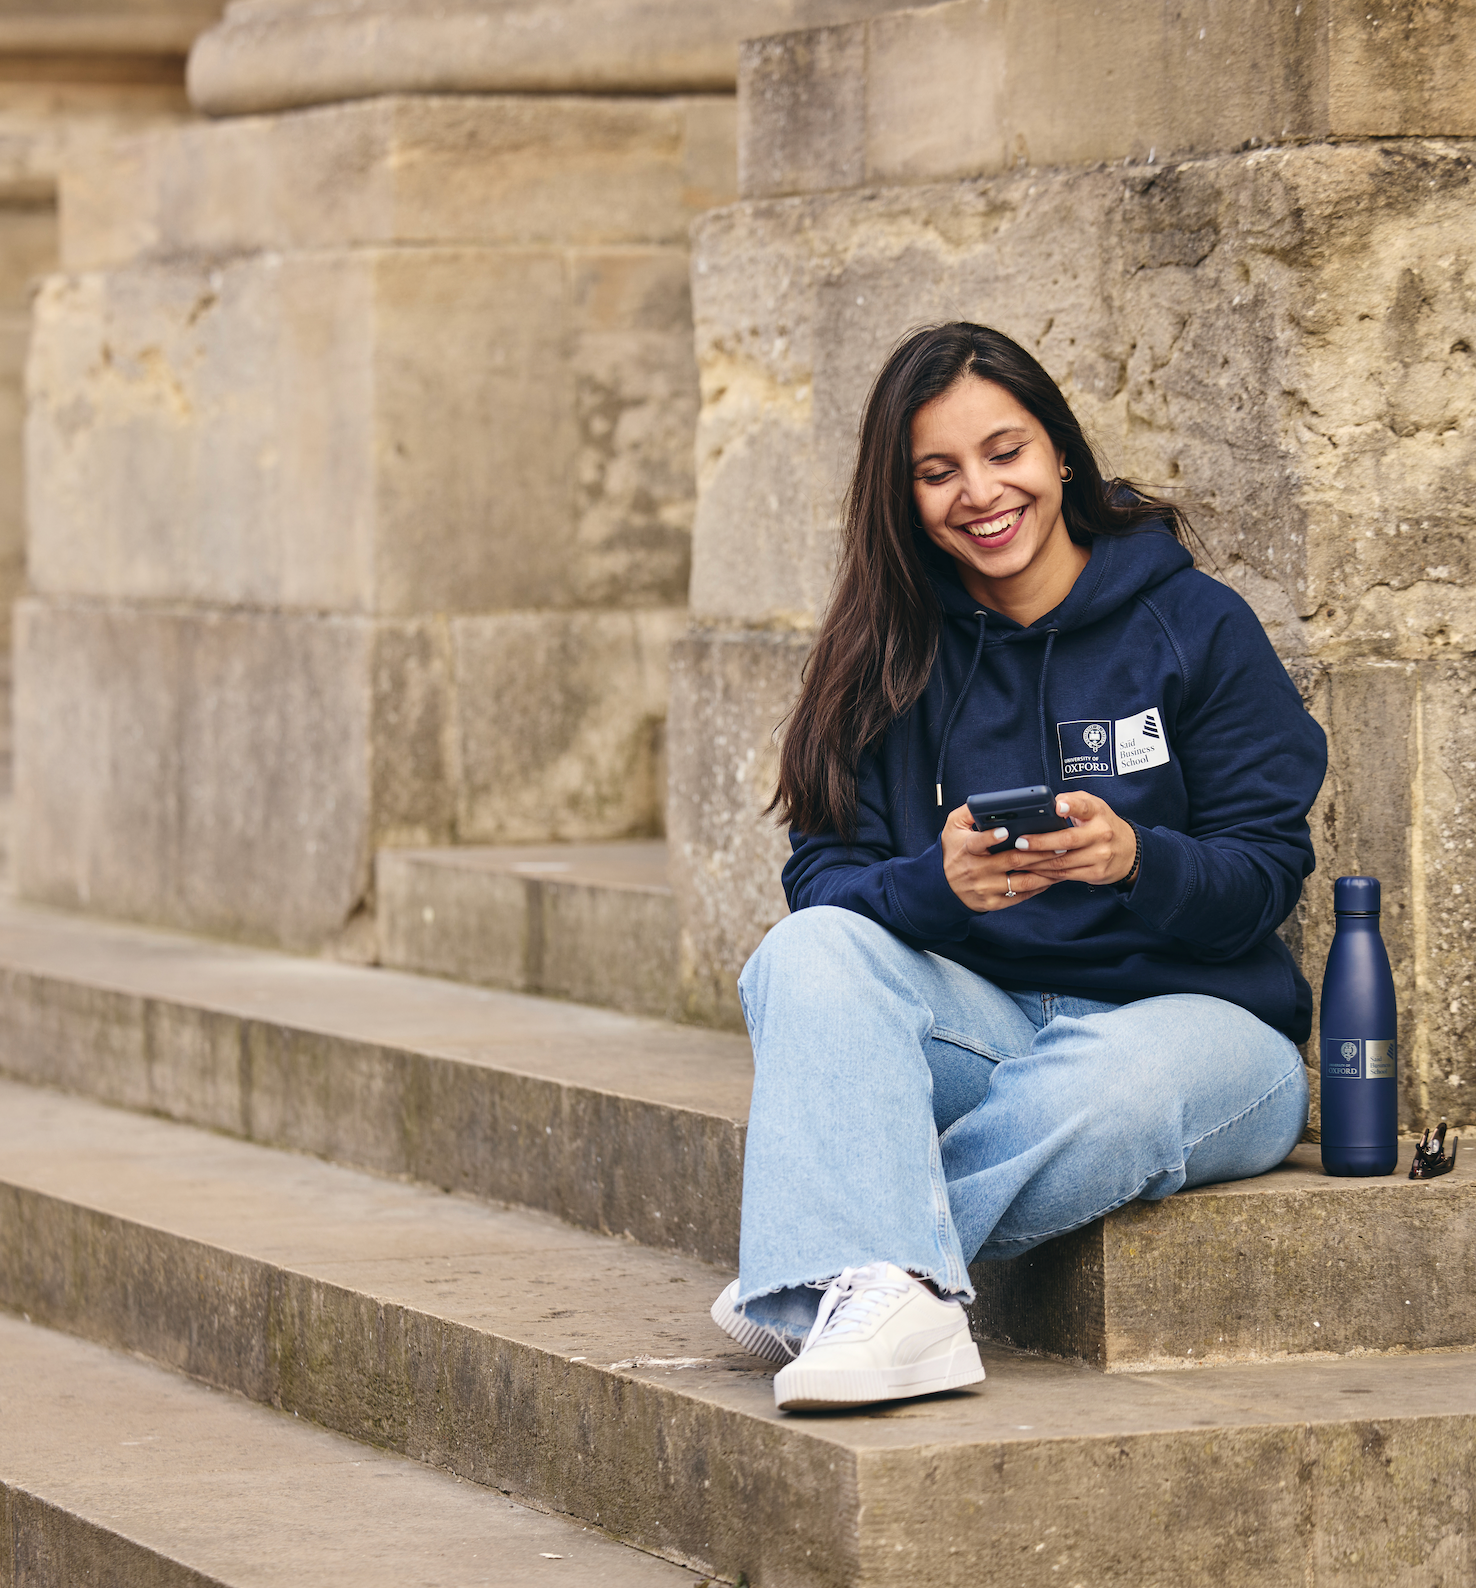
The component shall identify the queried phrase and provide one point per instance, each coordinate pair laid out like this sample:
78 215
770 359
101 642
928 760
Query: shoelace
851 1301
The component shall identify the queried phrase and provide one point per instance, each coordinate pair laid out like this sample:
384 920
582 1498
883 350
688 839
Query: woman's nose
979 488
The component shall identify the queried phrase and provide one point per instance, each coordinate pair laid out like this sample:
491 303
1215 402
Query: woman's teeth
995 526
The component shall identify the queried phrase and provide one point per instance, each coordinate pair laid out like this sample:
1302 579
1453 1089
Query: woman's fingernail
1001 832
1062 808
1022 843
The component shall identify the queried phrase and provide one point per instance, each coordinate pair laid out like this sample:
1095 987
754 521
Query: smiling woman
960 1053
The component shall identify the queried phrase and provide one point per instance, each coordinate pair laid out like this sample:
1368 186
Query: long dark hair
876 645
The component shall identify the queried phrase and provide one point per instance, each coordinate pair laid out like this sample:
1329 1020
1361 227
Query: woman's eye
935 479
1008 457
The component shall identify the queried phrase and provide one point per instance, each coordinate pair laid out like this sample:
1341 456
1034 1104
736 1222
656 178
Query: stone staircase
235 1165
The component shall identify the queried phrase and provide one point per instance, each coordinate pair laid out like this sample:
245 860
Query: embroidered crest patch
1100 747
1086 748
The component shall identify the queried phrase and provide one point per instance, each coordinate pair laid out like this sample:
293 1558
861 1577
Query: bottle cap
1356 896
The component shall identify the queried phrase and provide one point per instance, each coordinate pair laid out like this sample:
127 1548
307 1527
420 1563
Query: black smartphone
1021 810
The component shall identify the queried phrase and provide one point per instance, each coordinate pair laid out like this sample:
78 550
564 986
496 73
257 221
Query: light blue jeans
906 1109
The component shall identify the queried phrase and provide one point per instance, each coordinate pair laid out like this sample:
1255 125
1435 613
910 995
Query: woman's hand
984 881
1099 846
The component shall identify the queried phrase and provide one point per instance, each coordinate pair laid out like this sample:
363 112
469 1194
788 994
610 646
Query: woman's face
987 483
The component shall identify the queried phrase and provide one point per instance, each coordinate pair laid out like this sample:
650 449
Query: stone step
582 1373
631 1126
114 1471
615 1123
1292 1263
594 923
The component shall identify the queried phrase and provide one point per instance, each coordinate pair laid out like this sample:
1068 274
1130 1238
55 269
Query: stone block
802 112
729 694
412 750
290 52
206 771
1399 69
46 126
390 431
591 922
560 724
443 912
511 172
1444 880
1292 1263
955 90
13 336
205 435
634 411
27 250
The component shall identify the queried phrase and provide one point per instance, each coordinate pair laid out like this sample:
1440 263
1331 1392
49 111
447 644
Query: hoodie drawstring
1045 743
948 726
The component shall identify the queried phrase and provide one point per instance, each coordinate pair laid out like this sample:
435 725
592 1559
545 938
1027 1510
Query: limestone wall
1280 335
365 433
360 455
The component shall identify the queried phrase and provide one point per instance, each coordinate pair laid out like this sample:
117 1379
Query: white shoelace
852 1301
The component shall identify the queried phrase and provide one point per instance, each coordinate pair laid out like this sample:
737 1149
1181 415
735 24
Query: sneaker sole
753 1337
801 1388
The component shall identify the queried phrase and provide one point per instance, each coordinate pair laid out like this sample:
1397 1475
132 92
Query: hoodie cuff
1167 877
927 908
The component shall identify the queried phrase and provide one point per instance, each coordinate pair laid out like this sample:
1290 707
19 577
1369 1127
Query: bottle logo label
1359 1059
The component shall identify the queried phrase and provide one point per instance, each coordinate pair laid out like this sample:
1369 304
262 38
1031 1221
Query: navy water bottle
1360 1083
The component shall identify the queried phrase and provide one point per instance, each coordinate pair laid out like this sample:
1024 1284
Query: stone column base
234 771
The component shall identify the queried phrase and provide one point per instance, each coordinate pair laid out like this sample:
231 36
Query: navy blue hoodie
1156 688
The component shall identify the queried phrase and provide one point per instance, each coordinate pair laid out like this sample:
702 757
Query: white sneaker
757 1338
880 1335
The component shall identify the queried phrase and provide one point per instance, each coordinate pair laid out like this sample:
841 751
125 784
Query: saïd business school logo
1107 747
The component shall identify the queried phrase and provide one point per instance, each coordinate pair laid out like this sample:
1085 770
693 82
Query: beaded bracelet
1127 882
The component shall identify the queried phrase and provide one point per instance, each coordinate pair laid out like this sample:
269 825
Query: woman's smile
999 529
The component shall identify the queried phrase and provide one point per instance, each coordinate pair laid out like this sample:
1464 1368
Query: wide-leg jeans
908 1110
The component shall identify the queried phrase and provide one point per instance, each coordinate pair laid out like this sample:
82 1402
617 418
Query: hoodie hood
1122 567
1103 586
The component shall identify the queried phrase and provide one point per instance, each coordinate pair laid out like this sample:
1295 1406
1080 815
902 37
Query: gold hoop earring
1067 475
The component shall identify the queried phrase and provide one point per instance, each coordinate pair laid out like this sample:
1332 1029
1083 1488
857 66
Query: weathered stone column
72 76
1244 254
360 456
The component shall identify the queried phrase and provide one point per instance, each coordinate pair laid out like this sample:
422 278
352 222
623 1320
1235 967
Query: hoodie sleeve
1253 759
909 895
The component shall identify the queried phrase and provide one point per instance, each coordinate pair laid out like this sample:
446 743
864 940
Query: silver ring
1009 887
